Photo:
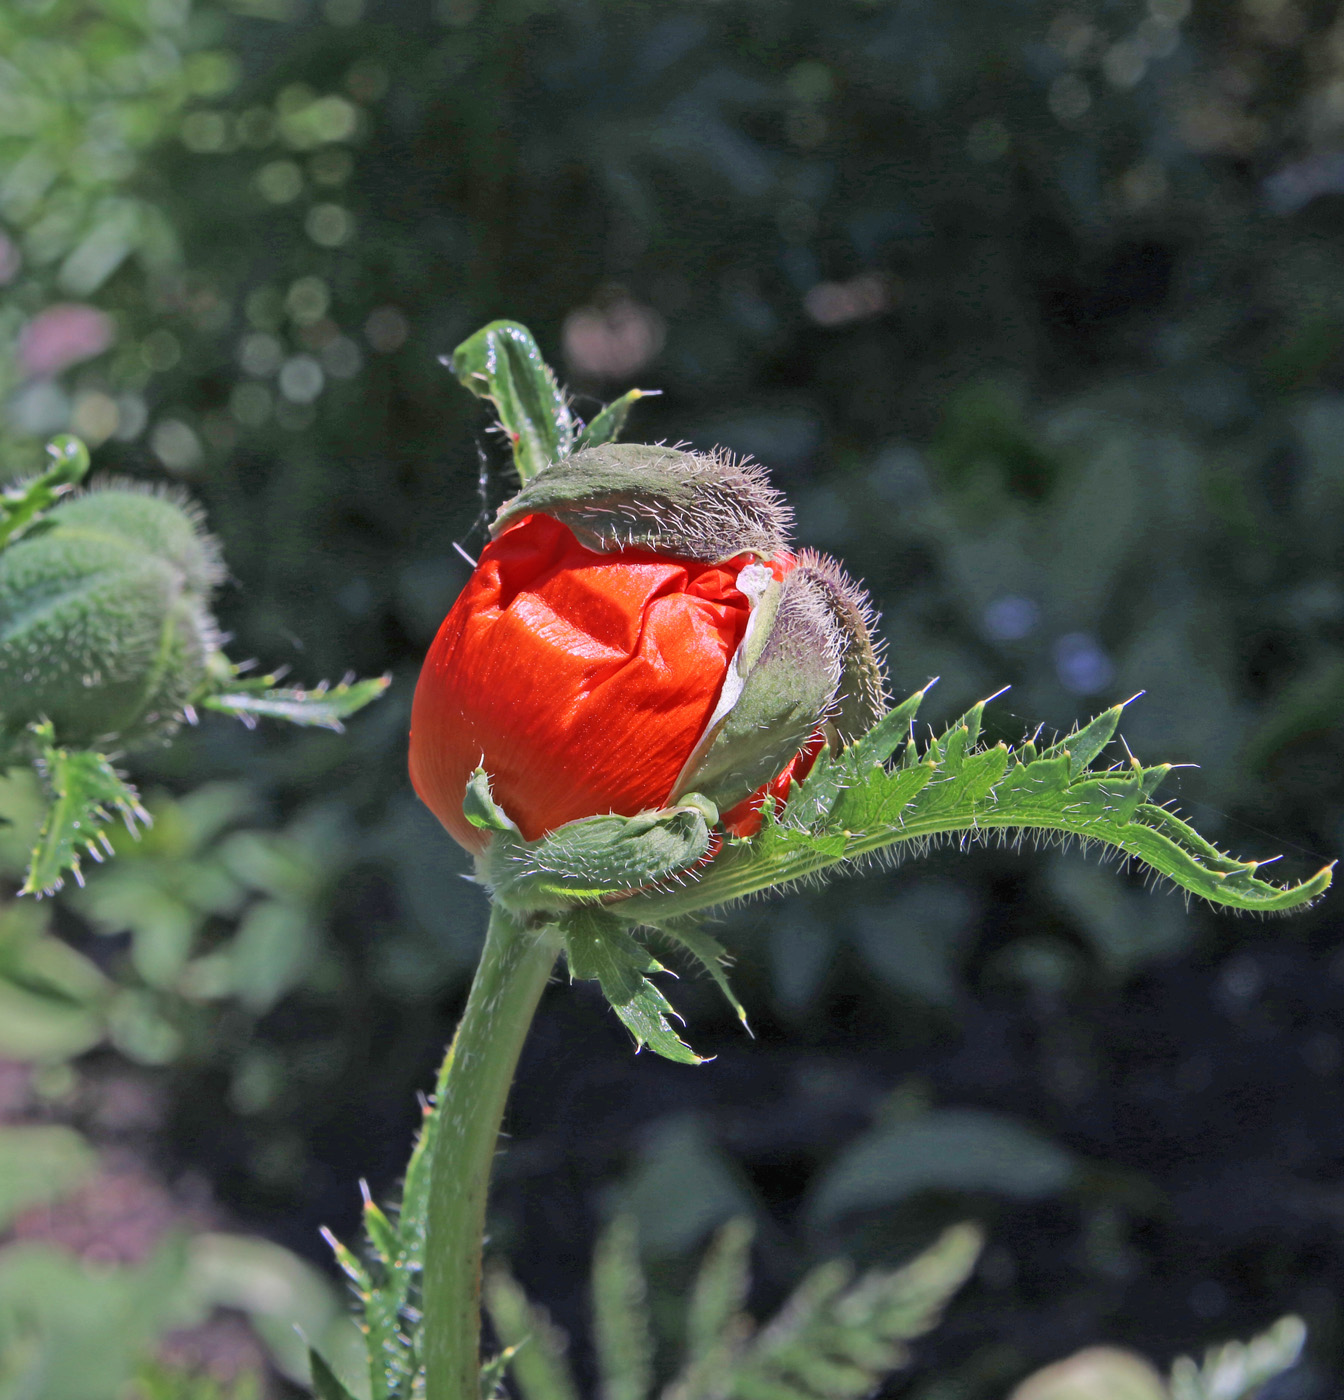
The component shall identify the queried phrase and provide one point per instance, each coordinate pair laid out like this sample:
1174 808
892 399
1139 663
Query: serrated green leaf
716 1321
836 1339
1237 1370
599 947
621 1329
610 423
953 791
886 736
710 954
1084 746
502 363
85 794
22 505
645 1016
322 706
536 1349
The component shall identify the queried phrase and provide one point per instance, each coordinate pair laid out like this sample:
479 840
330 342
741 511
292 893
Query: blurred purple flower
62 336
1083 667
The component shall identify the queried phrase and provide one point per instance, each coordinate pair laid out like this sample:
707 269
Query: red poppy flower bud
637 631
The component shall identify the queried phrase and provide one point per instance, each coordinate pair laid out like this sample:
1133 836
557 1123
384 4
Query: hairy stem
474 1085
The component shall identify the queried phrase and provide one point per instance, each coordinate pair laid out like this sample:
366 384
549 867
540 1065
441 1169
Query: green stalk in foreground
473 1088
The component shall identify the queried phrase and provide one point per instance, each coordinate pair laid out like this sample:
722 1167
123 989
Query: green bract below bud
105 622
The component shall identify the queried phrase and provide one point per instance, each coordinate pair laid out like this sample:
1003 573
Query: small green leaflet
599 947
534 1349
86 794
23 504
622 1330
856 804
837 1337
321 706
502 364
610 423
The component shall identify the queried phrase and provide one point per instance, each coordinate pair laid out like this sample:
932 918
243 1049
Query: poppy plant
593 670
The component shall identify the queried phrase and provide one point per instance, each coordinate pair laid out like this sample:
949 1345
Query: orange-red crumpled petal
580 681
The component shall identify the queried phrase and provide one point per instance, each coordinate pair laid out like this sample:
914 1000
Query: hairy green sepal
689 505
778 688
585 861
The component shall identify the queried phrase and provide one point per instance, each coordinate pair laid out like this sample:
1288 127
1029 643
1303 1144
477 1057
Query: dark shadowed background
1036 311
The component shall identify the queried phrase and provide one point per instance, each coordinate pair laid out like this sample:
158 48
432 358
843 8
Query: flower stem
473 1087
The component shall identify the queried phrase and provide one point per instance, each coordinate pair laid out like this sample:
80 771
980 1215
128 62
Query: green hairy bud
105 623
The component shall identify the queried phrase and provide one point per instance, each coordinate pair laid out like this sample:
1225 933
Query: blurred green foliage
1035 310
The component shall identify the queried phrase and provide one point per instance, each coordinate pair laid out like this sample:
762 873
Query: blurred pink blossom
838 303
612 341
62 336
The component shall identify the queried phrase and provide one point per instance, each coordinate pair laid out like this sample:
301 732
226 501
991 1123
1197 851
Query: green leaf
621 1329
323 706
681 1188
85 793
854 805
502 363
87 1330
326 1384
23 505
948 1150
716 1321
289 1304
710 954
535 1349
40 1163
599 946
1237 1370
836 1339
52 999
610 423
492 1374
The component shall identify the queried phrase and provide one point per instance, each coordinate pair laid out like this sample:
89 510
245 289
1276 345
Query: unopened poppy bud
105 622
636 631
